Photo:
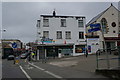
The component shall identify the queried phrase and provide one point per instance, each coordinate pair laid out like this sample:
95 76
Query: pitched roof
98 16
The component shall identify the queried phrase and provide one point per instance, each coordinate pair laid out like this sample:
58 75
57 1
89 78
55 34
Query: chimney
54 13
111 4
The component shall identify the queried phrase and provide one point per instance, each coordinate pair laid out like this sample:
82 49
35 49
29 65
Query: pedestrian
14 57
98 52
54 54
33 54
86 52
14 60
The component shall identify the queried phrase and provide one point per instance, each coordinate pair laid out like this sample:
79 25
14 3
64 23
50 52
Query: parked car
23 56
10 57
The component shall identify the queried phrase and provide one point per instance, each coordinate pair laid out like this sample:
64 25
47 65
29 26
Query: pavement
65 72
84 66
83 63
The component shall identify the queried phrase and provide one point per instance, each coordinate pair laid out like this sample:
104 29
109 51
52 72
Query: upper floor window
104 25
38 23
46 34
81 35
80 23
68 34
63 22
59 34
45 22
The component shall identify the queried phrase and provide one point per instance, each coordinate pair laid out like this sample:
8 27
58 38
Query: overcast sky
19 18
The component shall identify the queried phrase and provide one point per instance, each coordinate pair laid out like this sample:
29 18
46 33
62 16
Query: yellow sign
16 61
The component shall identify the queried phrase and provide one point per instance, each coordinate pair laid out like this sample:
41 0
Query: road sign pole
108 63
119 56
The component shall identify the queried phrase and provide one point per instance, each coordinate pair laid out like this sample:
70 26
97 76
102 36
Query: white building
65 33
109 20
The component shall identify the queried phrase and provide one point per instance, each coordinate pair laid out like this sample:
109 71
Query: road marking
25 73
50 73
56 76
36 66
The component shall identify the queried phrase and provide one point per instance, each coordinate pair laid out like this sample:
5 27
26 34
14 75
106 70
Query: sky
19 18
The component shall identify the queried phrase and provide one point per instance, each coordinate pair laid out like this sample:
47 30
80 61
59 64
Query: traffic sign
14 45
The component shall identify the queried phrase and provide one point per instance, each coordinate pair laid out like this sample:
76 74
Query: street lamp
2 30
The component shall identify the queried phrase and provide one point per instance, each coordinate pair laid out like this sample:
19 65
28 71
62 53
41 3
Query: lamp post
86 53
2 30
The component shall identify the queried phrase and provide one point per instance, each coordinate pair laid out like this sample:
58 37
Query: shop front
112 42
80 49
55 50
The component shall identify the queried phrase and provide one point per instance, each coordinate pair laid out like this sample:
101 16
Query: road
10 70
38 70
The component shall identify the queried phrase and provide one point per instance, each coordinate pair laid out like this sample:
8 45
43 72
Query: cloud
19 18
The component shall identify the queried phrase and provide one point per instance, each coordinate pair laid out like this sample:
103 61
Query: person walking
33 55
86 52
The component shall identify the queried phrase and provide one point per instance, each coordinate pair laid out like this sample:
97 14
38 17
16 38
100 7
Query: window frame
63 22
67 34
45 34
80 22
45 22
58 34
81 36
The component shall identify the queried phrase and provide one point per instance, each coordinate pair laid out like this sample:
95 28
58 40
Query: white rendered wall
71 25
110 18
55 25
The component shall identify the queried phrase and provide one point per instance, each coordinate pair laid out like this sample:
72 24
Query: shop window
79 48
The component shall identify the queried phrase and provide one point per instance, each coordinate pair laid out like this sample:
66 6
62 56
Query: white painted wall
110 18
55 25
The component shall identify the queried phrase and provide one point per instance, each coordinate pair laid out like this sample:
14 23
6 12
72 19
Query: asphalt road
10 70
38 70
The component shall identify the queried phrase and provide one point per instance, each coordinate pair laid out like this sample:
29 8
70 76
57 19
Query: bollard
16 60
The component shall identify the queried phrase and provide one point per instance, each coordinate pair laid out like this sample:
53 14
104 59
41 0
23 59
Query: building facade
65 33
7 48
110 26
